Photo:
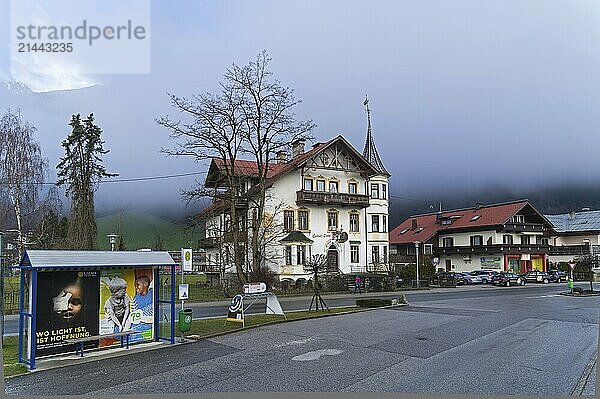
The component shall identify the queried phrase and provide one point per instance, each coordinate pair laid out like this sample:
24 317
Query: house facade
577 234
510 236
329 200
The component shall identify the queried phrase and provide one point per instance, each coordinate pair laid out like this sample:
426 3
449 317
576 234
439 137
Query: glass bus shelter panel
166 297
25 318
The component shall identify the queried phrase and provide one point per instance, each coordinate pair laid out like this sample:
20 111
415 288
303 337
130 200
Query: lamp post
417 253
112 239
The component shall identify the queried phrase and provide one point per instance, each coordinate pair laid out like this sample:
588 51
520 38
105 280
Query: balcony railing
524 228
323 198
495 249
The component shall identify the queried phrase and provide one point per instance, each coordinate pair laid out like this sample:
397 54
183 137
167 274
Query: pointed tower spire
370 152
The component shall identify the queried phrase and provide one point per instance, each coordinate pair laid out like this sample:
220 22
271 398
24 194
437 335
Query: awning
296 237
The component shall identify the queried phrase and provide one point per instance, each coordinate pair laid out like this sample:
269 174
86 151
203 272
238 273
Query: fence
11 302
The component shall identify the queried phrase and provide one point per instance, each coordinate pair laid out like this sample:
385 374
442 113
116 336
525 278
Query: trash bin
185 319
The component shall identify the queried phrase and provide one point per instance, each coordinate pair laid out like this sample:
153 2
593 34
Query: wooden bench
80 341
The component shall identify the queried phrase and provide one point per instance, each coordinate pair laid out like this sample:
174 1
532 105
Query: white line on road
542 296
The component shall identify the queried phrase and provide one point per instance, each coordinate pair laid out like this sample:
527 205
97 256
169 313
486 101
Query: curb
585 375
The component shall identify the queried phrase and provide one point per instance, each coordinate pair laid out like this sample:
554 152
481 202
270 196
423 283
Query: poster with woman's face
67 308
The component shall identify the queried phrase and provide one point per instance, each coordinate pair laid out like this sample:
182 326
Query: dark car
536 276
556 276
508 279
444 279
486 275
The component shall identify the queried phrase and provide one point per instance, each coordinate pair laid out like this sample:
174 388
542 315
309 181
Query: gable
340 155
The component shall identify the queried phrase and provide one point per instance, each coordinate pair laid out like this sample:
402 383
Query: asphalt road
219 308
519 340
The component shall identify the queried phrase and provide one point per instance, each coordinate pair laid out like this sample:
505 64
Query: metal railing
324 198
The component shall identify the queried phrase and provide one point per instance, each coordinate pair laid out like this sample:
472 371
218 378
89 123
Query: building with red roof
330 199
511 236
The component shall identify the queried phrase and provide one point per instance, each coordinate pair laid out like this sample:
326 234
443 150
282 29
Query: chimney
414 224
438 218
281 156
572 215
298 147
478 205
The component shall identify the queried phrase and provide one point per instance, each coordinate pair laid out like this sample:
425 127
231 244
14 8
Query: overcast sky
462 92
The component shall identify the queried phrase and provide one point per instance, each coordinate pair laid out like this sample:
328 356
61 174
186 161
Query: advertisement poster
126 303
67 308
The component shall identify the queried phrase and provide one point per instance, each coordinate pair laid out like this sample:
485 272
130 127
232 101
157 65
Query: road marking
316 355
542 296
298 342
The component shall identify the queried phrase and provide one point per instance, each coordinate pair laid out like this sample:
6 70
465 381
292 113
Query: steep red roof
250 168
489 215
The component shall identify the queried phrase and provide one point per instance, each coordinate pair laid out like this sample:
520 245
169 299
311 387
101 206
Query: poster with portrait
126 303
67 308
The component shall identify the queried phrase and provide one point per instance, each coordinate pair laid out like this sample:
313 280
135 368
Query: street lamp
112 239
417 253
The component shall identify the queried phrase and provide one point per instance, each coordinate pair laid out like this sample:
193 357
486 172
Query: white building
328 200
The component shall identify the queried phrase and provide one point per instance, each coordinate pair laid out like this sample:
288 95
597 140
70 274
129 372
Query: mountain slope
140 230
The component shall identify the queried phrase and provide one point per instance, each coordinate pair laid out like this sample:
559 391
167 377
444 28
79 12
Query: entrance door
514 265
448 265
332 259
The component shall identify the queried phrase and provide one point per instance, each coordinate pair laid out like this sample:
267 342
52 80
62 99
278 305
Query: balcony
323 198
569 250
495 249
524 228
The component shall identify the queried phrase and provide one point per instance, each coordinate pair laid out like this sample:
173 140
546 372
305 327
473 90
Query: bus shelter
71 295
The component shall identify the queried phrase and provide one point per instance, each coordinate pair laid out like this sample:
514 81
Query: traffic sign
184 291
254 288
572 265
435 261
186 259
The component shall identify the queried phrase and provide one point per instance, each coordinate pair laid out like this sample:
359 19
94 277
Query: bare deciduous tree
316 265
270 125
22 170
214 130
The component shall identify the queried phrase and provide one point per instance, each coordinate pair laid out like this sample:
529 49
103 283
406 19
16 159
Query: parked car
446 278
536 276
556 276
508 279
469 278
486 275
